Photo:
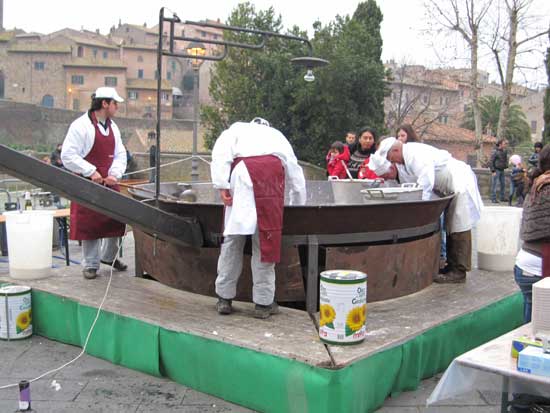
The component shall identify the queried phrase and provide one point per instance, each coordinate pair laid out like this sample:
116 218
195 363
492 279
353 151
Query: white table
490 367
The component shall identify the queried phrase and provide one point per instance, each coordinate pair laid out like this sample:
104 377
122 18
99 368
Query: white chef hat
385 146
260 121
378 164
107 93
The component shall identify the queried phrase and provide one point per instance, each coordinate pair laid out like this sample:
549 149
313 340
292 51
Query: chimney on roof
119 22
97 31
145 25
1 15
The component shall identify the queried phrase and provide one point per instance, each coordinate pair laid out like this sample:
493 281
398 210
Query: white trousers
230 266
107 248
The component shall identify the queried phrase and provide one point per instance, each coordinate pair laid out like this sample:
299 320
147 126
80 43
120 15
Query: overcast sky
401 28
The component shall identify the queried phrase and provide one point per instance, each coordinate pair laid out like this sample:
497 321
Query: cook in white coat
436 170
233 179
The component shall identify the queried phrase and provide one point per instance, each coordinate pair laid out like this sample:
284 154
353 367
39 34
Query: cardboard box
520 343
534 360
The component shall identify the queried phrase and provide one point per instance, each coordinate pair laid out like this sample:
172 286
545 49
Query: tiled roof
86 38
99 64
446 133
149 84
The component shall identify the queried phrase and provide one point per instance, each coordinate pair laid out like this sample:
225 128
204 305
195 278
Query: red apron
268 182
85 223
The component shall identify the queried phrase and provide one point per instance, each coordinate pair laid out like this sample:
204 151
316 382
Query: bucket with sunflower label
15 312
343 306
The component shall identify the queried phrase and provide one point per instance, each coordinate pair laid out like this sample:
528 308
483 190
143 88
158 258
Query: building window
140 73
39 65
76 104
183 33
173 63
95 53
444 119
165 96
215 37
140 59
203 33
80 51
133 95
466 107
424 99
169 75
110 81
533 126
105 54
440 100
77 79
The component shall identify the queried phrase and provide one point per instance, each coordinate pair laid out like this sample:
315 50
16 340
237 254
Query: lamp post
198 50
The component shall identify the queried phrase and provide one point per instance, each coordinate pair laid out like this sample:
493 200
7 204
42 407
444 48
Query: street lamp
198 50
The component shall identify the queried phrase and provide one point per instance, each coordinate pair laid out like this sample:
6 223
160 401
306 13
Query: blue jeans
525 284
499 176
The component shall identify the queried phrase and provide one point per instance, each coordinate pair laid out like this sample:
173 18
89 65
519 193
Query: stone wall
32 126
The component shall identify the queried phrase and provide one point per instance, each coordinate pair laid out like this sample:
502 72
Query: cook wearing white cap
436 170
93 148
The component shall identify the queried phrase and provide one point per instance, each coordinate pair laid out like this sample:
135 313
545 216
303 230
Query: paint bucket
15 312
30 243
343 306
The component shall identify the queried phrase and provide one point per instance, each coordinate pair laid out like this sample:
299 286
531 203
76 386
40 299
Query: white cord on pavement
7 386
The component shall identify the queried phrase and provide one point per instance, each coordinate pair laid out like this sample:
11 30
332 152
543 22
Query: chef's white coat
436 169
79 142
244 140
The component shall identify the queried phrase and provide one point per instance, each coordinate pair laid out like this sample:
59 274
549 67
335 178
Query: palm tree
517 130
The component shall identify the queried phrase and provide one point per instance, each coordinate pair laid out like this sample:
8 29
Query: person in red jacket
337 160
365 172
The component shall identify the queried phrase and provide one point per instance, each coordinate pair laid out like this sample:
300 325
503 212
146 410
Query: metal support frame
309 62
313 241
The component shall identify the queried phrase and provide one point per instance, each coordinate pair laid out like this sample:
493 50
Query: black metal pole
194 162
159 91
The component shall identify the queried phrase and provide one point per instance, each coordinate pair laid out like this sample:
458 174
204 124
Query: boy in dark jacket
497 164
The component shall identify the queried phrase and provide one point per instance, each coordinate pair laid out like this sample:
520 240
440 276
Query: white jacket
244 140
79 142
437 169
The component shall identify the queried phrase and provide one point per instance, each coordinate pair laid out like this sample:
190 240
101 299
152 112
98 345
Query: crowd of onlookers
500 161
349 159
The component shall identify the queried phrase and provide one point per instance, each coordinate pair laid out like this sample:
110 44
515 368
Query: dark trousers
459 251
525 284
498 177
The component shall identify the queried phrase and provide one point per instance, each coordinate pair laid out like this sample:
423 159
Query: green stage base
265 382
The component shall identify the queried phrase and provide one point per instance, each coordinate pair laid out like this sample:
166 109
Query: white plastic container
498 238
15 312
29 235
343 306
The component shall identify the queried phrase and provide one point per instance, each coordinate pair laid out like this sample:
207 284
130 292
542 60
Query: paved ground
94 385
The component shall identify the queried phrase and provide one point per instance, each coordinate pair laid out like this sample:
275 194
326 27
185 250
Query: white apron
465 209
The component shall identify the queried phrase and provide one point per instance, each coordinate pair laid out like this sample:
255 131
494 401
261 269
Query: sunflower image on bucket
326 315
15 312
343 306
23 321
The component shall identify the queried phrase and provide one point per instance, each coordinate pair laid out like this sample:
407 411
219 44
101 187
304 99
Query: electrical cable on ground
7 386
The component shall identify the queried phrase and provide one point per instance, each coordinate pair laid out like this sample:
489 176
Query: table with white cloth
490 367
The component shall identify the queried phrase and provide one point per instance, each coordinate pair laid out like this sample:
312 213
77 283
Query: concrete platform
289 338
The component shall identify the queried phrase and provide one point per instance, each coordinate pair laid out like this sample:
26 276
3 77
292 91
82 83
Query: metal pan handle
373 193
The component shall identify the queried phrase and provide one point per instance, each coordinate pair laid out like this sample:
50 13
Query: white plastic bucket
343 306
15 312
498 238
29 236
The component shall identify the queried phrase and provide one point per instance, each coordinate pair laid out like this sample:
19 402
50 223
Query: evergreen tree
347 94
517 129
